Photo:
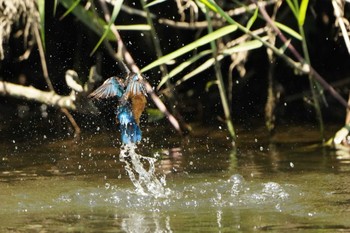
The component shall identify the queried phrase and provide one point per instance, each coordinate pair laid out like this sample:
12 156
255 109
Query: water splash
145 180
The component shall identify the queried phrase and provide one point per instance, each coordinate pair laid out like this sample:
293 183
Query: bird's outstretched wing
134 85
112 87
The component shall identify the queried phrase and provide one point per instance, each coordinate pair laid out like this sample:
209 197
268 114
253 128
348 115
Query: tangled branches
21 13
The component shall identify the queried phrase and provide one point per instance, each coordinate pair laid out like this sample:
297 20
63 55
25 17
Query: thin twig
271 100
339 14
163 68
300 59
48 81
43 59
196 24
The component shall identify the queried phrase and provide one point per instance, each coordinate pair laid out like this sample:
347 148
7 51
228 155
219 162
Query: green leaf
201 6
208 63
296 4
95 23
155 2
41 7
288 30
209 84
182 66
245 46
70 9
55 7
154 114
115 13
293 8
302 12
211 4
248 45
194 45
285 46
253 18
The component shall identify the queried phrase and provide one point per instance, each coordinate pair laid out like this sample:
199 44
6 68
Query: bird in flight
131 95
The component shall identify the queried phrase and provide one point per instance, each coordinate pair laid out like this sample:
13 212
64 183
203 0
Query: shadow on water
61 186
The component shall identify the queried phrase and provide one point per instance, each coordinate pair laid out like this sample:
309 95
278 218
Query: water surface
288 185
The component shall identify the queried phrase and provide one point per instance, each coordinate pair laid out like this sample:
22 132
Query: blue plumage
129 129
128 93
112 87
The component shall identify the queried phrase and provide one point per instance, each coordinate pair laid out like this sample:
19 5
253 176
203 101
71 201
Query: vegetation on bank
231 58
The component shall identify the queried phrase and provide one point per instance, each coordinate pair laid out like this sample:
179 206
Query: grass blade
155 2
252 19
70 9
55 7
284 46
248 45
41 7
302 12
201 41
208 63
293 8
288 30
90 20
182 66
115 13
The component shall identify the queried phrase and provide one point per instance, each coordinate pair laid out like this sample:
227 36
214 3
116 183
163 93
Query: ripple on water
234 192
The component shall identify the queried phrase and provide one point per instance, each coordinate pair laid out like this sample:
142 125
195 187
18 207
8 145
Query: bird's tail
130 130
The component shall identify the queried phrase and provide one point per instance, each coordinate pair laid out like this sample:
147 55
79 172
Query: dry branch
31 93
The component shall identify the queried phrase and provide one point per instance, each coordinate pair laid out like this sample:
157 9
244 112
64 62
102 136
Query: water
145 180
289 185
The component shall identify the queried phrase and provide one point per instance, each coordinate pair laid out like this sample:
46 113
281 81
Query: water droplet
145 180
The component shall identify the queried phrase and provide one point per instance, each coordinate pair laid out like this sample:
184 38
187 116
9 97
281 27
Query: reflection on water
85 187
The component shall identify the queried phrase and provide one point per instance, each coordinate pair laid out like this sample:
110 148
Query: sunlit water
91 187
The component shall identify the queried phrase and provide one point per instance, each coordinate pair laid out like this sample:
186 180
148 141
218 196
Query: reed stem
221 84
314 85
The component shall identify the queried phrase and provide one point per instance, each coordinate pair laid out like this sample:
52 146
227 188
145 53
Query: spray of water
144 179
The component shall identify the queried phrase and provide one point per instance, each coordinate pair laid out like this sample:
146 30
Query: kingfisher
131 95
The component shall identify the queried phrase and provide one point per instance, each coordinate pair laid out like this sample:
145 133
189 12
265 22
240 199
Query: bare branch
338 6
31 93
300 59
